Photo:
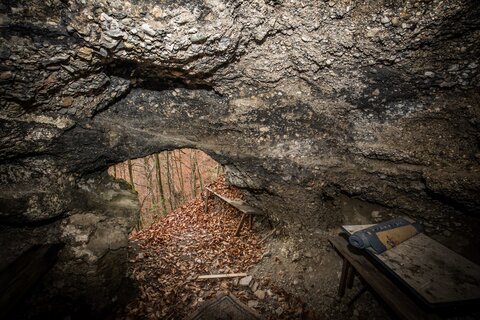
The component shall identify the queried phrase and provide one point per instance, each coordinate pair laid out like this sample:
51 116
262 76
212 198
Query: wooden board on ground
225 308
437 274
221 276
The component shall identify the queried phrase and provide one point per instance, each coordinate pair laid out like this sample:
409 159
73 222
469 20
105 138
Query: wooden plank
221 276
435 273
267 236
398 301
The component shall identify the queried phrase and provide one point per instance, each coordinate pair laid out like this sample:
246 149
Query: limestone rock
260 294
245 281
148 29
85 53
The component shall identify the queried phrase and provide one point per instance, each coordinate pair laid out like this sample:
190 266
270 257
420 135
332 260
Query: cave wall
307 103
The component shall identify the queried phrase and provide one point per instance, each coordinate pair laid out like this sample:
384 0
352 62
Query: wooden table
355 261
431 271
248 212
418 279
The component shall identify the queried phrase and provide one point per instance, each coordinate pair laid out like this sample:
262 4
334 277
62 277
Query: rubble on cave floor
168 257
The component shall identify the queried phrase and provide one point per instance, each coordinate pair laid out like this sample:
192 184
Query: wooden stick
267 236
220 276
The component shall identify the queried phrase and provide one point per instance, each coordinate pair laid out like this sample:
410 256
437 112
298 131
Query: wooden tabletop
435 273
400 302
237 203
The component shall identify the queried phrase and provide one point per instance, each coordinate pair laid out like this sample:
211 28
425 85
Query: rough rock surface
313 106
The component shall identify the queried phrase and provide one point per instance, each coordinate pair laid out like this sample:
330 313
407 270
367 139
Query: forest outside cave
165 181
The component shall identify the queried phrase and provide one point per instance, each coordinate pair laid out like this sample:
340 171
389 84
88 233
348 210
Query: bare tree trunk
178 166
171 187
181 170
200 178
193 176
122 171
149 195
130 173
161 194
139 225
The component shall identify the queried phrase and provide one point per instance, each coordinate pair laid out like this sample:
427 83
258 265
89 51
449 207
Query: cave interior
322 113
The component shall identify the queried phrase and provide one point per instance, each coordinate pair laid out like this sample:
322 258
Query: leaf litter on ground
169 256
184 245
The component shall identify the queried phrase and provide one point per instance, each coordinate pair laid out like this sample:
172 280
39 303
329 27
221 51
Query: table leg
240 224
357 295
207 195
350 277
343 278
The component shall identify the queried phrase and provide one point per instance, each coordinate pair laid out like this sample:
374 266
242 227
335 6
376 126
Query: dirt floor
309 269
289 277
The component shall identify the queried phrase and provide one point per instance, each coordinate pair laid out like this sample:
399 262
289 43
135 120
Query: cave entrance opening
167 180
178 240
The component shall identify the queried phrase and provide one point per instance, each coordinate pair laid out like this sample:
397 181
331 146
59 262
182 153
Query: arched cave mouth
200 235
181 234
